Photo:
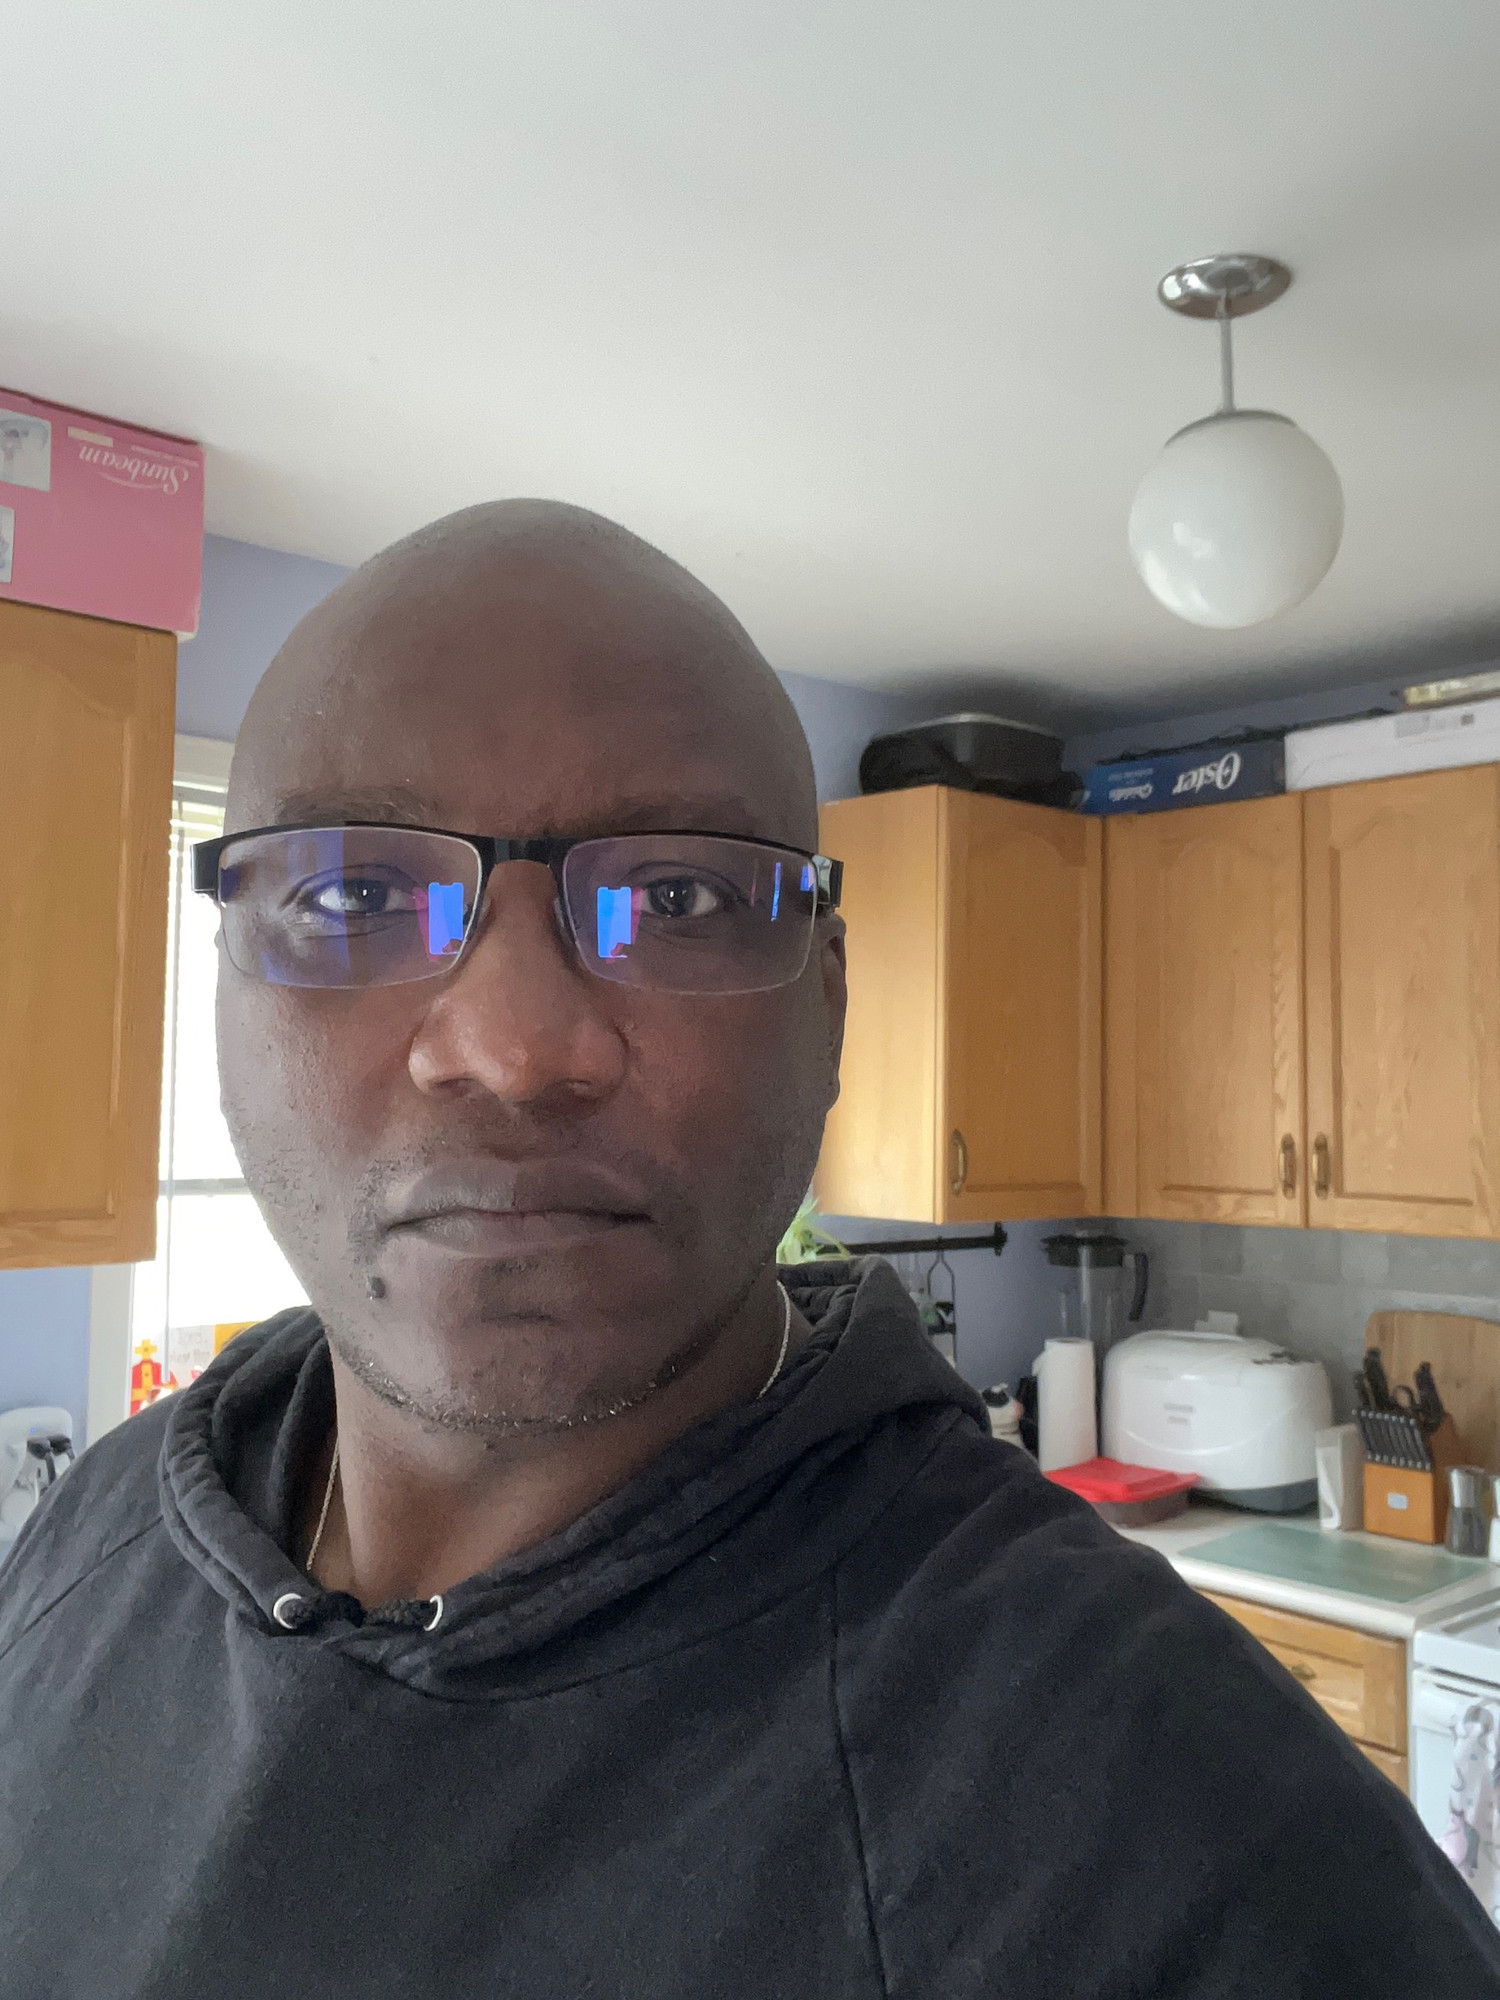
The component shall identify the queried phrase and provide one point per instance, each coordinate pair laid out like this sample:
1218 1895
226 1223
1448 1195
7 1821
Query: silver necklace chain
333 1470
786 1334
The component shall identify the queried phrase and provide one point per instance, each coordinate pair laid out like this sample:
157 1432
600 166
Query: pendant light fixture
1241 516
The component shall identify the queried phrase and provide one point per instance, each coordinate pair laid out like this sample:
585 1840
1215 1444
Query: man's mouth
478 1232
503 1208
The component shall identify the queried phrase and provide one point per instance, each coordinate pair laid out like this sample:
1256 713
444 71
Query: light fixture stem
1226 359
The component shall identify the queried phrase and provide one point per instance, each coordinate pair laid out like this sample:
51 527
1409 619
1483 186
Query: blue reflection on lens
445 916
614 922
776 894
807 876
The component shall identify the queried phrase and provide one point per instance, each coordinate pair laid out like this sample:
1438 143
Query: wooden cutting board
1465 1358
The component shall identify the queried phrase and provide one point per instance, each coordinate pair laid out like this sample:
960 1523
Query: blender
1096 1299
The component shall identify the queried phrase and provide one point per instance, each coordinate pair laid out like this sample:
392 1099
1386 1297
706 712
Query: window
216 1267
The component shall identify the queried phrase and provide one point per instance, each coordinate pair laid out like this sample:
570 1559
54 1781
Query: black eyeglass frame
493 849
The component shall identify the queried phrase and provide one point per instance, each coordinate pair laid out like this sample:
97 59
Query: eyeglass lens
364 906
346 906
690 914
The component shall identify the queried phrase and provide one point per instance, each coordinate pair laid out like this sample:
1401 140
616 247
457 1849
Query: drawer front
1359 1680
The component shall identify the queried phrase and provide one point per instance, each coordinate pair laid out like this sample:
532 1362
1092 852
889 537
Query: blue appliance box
1212 773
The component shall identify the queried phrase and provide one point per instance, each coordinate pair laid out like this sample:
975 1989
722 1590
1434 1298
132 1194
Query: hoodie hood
745 1508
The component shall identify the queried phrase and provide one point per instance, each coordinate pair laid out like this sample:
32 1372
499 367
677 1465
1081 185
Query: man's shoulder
1018 1597
1017 1681
979 1512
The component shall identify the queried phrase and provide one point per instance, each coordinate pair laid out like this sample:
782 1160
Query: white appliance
34 1442
1241 1413
1386 746
1454 1664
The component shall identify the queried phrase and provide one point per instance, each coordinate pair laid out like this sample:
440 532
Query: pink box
99 517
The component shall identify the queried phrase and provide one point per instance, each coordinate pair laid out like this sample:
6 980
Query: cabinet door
1019 1011
877 1156
1214 913
1403 969
85 803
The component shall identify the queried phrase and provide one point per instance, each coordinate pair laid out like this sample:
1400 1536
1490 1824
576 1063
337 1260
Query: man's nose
518 1016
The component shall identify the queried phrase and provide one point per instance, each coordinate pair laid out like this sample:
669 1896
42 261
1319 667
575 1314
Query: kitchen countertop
1377 1561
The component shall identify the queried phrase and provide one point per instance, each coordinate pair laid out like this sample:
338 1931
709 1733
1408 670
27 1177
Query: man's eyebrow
391 804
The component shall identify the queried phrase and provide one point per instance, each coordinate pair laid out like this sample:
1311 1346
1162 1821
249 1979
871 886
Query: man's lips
478 1232
490 1207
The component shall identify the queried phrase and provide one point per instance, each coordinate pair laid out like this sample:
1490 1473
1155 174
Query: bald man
569 1603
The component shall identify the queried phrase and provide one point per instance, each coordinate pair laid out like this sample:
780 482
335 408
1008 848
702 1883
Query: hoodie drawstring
295 1613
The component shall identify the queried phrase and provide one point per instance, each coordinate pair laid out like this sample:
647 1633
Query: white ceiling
848 304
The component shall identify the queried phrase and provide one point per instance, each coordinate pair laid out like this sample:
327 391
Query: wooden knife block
1413 1506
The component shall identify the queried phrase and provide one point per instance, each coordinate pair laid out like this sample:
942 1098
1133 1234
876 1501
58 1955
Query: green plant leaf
806 1239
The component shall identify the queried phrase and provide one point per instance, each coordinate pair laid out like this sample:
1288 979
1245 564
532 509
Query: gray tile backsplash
1313 1289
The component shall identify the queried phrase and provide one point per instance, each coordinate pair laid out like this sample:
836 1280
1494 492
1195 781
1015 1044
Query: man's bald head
490 608
527 670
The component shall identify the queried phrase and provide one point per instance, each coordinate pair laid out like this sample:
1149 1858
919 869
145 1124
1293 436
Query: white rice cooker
1241 1413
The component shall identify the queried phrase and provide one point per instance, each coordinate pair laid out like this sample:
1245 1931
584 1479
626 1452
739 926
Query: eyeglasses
380 905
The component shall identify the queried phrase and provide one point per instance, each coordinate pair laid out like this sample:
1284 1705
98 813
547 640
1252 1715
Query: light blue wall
44 1340
252 598
840 721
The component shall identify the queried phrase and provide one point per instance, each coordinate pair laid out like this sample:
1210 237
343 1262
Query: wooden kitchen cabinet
85 803
971 1073
1356 1678
1403 1004
1204 1044
1302 1001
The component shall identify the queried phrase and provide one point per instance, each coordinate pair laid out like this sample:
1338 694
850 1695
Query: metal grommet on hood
284 1610
437 1612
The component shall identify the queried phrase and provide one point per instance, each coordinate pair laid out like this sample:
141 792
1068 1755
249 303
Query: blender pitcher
1096 1298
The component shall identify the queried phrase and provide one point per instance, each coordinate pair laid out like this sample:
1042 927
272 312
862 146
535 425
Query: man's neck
416 1509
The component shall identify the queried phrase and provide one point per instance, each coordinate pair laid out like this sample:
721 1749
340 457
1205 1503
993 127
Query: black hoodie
838 1697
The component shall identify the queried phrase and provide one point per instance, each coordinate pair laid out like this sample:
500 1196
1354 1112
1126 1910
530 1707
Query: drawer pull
1322 1167
960 1162
1302 1671
1289 1165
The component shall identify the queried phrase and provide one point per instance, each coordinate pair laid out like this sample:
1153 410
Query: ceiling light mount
1224 287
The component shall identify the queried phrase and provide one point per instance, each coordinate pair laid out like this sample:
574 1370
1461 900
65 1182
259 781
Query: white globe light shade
1238 519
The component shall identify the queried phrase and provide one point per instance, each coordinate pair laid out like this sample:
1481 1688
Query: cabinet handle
960 1162
1300 1671
1289 1165
1322 1167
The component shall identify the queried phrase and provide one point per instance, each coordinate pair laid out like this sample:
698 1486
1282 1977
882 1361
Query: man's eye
356 896
684 896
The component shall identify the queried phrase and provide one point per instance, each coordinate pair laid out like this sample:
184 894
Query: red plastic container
1131 1496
